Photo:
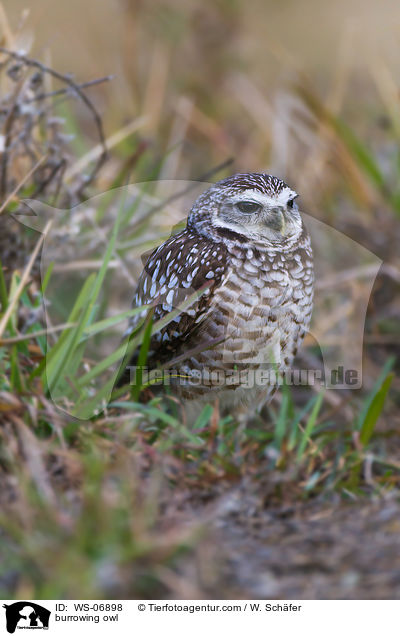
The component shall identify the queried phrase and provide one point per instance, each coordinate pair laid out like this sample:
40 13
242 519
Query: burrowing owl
246 251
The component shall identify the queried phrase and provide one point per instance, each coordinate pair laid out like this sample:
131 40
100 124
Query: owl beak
283 224
276 220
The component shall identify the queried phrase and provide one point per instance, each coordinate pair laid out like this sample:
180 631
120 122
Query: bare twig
96 152
34 459
36 334
8 127
21 285
76 89
63 91
177 195
21 183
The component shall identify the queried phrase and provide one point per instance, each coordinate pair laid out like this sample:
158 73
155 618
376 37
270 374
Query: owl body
267 298
245 260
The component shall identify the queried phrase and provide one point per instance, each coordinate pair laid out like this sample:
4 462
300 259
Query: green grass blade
86 408
374 410
106 323
3 290
142 358
204 417
46 278
105 364
358 150
378 384
281 420
57 357
360 153
309 426
15 376
68 350
295 431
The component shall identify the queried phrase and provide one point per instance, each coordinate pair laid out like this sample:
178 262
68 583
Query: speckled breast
260 313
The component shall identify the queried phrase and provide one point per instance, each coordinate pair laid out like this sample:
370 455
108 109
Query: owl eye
248 207
290 203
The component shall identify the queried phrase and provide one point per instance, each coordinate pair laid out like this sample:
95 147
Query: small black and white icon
26 615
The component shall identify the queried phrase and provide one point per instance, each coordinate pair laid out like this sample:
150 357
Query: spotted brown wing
186 263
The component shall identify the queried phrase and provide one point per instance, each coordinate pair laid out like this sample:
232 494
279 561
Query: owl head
256 207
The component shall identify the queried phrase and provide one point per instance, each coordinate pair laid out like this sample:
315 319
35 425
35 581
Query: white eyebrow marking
252 195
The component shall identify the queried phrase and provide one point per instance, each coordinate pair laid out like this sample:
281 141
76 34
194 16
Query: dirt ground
306 551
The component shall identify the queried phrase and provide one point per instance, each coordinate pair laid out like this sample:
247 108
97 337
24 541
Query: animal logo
26 615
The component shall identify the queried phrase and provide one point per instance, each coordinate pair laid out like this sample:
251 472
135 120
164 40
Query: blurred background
214 79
